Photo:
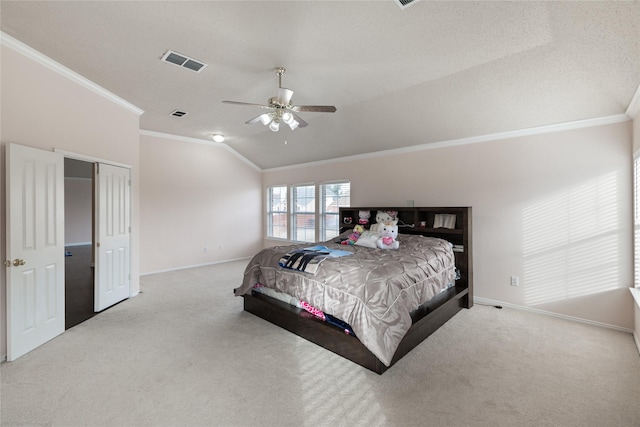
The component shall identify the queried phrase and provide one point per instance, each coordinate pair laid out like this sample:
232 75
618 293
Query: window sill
636 295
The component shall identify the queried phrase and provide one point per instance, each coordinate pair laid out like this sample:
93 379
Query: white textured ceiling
434 72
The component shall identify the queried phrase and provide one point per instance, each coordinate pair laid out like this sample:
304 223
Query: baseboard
192 266
486 301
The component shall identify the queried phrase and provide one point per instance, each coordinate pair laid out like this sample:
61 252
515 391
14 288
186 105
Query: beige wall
193 196
636 147
553 209
78 213
43 109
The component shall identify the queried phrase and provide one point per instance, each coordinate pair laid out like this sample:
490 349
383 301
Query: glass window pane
277 212
334 195
304 207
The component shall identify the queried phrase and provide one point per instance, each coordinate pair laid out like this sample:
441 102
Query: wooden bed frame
426 319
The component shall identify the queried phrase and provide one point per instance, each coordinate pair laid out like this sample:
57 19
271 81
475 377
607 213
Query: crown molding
31 53
601 121
634 106
199 141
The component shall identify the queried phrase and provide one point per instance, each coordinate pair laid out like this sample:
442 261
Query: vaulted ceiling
431 73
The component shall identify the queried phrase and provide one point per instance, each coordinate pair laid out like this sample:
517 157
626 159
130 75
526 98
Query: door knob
17 262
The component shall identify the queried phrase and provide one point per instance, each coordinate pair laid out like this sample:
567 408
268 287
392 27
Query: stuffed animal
388 232
364 217
353 237
382 217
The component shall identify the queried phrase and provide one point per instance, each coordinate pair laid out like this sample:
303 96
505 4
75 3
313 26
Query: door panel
35 248
113 235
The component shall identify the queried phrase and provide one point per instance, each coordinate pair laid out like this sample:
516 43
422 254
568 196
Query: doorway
36 218
79 235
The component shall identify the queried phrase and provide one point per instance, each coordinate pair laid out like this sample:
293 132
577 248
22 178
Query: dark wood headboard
410 220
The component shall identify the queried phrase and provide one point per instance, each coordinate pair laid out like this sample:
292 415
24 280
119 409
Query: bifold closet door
113 235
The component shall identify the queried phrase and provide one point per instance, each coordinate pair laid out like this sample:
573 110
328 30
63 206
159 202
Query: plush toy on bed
388 232
353 237
382 217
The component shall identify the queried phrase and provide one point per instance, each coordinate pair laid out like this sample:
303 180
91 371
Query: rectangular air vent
405 3
183 61
178 113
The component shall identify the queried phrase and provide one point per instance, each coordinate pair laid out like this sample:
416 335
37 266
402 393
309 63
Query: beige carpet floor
183 353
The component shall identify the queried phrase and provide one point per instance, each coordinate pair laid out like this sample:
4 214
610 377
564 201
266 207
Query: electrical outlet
206 249
221 246
515 281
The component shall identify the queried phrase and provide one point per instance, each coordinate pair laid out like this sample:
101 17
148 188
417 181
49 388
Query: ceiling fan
282 109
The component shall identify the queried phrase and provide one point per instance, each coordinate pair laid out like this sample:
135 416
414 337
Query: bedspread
373 290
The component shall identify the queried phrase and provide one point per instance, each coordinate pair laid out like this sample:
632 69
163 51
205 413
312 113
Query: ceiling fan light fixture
274 125
293 125
218 137
265 119
287 117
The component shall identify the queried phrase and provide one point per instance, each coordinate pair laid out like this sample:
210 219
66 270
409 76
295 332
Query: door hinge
98 245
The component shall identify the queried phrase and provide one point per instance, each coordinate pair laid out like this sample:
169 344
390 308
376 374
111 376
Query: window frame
636 220
323 213
319 213
295 215
271 212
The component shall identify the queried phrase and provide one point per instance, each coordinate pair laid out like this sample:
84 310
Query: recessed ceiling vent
405 3
178 113
183 61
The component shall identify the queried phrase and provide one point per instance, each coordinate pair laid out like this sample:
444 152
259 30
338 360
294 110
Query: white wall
196 196
553 209
44 109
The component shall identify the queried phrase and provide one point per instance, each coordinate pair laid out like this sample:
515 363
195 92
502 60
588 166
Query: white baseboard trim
635 339
486 301
193 266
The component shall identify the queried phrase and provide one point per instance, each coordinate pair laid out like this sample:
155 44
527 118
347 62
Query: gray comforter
373 290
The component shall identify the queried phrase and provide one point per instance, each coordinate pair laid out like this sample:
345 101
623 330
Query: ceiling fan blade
254 120
248 103
301 123
316 108
284 95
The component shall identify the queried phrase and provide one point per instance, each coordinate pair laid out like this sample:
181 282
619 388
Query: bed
379 303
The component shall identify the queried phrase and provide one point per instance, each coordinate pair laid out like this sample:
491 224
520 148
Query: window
277 212
303 213
293 211
332 196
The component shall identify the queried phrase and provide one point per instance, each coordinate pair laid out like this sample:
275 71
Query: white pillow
367 239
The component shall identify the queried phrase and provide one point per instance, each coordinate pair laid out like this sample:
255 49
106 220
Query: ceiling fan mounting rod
279 72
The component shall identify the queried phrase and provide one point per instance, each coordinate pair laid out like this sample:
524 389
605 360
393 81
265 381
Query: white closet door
35 248
113 235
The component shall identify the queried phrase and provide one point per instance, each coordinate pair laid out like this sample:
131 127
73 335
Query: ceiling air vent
405 3
178 113
183 61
